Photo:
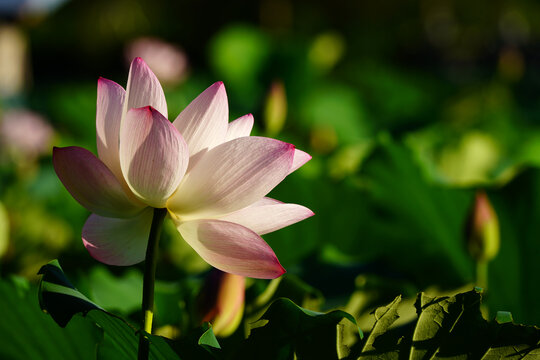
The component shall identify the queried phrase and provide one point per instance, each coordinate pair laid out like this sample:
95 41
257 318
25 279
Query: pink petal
117 241
153 155
240 127
144 89
110 103
300 158
266 216
203 123
232 176
231 248
92 184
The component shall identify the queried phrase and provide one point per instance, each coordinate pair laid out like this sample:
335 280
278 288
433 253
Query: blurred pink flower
221 301
168 61
25 133
210 175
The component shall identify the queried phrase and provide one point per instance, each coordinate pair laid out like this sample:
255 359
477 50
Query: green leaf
61 300
107 289
440 322
200 343
515 342
504 317
124 339
418 215
384 318
28 333
288 330
449 328
208 339
58 296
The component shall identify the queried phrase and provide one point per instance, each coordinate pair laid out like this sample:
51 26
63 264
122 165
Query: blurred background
413 112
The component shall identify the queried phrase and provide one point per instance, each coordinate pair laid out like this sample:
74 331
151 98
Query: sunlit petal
240 127
232 176
92 184
232 248
143 88
300 158
153 155
268 215
110 103
203 123
117 241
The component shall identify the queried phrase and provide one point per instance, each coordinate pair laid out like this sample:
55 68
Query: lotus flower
210 175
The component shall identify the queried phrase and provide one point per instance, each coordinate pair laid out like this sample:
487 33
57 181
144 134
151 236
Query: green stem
482 274
482 281
148 281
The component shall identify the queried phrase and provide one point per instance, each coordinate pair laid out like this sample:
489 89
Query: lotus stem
149 280
482 274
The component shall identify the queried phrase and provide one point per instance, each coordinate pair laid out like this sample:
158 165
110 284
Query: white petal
118 241
240 127
268 215
203 123
232 176
153 155
144 89
300 158
110 103
231 248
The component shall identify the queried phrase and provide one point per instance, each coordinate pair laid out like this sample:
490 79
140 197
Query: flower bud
275 109
221 302
482 229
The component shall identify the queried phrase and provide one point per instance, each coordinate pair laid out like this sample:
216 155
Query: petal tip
138 61
217 86
102 80
280 271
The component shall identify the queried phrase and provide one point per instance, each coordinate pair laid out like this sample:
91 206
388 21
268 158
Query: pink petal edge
203 123
120 242
92 184
268 215
231 248
232 176
144 89
300 158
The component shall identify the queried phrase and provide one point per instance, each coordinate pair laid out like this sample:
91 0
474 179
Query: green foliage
286 331
446 327
514 272
28 333
384 318
62 301
403 130
106 289
208 339
449 328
